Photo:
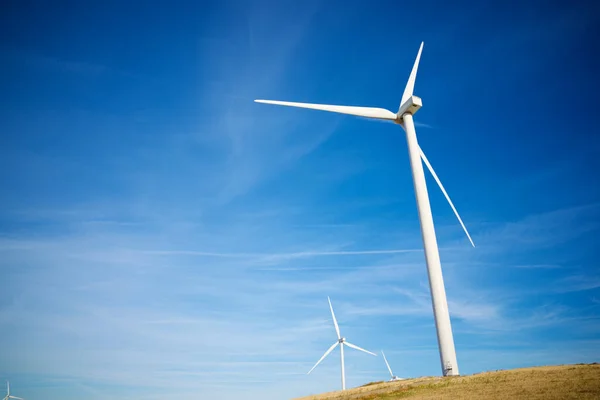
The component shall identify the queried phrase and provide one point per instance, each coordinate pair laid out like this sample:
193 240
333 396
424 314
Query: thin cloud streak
279 255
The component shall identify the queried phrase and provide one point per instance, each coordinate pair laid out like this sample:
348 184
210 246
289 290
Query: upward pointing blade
324 355
386 363
410 85
337 329
368 112
445 194
358 348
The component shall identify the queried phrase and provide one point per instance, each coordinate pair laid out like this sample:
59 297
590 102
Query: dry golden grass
581 381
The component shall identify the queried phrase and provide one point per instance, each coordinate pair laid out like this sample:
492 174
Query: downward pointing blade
368 112
324 355
358 348
445 194
386 363
337 329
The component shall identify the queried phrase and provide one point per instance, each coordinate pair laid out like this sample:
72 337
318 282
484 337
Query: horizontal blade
324 355
337 328
358 348
386 363
15 397
368 112
445 194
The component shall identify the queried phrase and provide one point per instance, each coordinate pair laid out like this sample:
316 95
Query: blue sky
161 233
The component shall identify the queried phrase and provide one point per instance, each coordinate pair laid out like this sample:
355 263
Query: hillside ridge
570 381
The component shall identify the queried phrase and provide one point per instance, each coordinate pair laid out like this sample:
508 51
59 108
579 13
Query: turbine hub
410 106
342 340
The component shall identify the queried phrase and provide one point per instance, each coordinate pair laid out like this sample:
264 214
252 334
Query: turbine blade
324 355
410 85
337 328
386 363
358 348
368 112
15 397
445 194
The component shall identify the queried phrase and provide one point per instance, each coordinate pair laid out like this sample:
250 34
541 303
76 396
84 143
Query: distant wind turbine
341 341
409 105
394 377
8 396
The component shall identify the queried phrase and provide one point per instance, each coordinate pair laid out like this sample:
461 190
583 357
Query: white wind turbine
341 341
394 377
409 105
8 396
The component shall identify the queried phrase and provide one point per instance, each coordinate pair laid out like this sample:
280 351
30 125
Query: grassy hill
580 381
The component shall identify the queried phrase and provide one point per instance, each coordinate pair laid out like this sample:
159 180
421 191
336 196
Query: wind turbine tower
8 396
409 105
394 377
342 342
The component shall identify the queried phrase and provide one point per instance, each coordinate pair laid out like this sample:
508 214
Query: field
580 381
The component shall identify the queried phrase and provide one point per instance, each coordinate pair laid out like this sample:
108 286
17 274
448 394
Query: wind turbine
8 396
394 377
409 105
341 341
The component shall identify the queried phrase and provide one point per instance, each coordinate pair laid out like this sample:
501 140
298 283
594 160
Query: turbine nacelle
342 340
410 106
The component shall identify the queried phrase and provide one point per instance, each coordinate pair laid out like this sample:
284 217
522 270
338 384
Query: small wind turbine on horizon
394 377
8 396
341 341
409 105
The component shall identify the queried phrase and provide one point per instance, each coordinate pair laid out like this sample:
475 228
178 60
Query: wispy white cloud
106 294
538 266
423 125
541 231
280 256
36 60
577 283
